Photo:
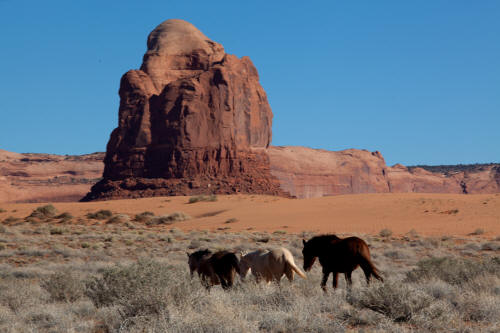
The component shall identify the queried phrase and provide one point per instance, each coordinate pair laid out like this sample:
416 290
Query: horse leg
335 280
289 274
348 279
325 279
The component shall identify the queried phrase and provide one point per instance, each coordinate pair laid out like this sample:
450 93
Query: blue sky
417 80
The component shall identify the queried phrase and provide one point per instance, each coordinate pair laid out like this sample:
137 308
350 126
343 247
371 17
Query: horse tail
234 262
369 269
297 270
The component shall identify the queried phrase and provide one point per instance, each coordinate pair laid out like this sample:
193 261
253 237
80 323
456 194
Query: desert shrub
11 219
478 307
16 294
64 216
2 229
44 212
63 286
56 231
169 219
145 287
385 233
197 198
231 220
2 210
398 254
396 300
490 246
119 218
144 217
453 271
477 232
102 214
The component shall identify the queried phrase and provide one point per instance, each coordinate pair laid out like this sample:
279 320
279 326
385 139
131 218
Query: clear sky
417 80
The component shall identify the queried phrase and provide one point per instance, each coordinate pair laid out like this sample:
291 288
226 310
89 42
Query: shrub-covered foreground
430 286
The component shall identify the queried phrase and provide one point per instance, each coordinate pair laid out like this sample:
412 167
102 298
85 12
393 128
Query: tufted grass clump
203 197
144 217
118 218
385 232
169 219
102 214
43 212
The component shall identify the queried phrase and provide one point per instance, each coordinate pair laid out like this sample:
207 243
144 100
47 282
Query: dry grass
111 278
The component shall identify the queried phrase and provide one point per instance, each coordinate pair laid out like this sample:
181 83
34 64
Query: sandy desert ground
427 214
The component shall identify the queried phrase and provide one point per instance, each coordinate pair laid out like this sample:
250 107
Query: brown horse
213 269
337 255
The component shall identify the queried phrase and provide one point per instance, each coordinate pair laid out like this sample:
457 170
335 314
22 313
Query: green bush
102 214
63 287
197 198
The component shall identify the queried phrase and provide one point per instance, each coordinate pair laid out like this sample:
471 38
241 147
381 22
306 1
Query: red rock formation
306 173
309 173
46 177
192 120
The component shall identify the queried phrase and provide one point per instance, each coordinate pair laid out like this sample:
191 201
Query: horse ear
304 241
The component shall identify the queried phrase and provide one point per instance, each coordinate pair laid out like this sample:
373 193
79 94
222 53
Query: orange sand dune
428 214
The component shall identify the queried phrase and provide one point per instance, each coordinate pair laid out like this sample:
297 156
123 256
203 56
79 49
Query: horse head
244 267
309 255
195 258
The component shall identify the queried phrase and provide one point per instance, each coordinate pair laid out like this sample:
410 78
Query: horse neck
319 245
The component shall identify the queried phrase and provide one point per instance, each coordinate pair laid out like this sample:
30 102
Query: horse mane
200 253
324 238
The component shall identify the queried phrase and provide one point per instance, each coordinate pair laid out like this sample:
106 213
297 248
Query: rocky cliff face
302 172
192 120
308 173
46 177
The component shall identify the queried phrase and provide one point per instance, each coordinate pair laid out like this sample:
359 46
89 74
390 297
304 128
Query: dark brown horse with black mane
217 268
339 255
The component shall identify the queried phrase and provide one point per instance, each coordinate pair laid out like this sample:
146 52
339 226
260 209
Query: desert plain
121 265
427 214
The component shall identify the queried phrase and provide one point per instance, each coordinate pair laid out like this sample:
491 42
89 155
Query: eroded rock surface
47 177
192 120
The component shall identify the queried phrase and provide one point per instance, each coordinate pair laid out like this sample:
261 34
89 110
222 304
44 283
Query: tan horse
270 265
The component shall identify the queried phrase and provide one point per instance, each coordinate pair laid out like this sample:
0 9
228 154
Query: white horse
269 265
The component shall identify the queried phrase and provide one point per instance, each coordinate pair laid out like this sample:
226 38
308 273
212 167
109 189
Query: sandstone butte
195 120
